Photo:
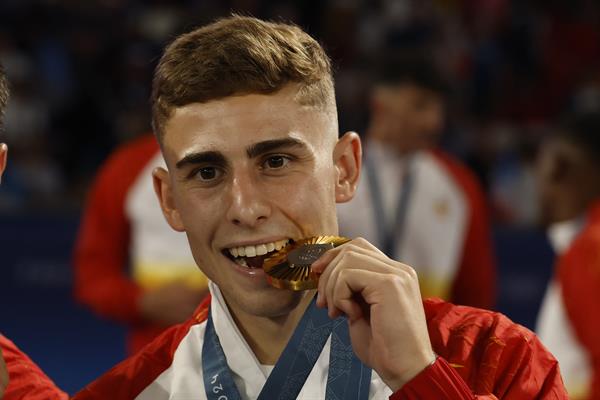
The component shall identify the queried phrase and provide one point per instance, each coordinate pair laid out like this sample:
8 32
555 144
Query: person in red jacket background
129 265
569 182
418 204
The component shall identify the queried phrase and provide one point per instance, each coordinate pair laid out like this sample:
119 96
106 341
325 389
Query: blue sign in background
37 310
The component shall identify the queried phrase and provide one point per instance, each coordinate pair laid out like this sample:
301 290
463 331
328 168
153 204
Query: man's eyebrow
211 157
271 145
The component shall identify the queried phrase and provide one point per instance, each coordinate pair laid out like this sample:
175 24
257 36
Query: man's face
413 116
250 172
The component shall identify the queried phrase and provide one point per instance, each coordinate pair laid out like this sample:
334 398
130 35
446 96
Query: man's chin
268 303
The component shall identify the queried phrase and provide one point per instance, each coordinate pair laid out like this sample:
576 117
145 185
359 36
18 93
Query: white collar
247 374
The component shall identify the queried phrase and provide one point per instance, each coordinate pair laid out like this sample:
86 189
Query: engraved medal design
289 268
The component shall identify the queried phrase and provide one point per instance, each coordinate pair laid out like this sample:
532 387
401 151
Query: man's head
3 101
569 168
236 56
245 113
407 104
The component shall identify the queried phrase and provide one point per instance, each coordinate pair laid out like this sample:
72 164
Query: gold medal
289 268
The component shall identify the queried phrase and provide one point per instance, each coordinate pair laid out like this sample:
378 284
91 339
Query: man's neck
266 336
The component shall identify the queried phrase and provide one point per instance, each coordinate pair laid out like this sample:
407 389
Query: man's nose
248 206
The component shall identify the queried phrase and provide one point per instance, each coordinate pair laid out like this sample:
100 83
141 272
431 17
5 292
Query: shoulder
584 252
490 352
6 345
451 324
129 378
589 238
26 379
578 270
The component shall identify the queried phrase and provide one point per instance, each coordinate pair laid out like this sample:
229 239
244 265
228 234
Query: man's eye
207 174
276 162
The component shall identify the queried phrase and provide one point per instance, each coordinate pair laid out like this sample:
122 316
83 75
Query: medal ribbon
348 378
390 236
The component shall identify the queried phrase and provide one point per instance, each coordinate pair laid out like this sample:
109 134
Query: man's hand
3 376
170 304
382 301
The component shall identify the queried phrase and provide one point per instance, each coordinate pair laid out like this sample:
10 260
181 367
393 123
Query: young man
245 114
569 183
20 378
416 203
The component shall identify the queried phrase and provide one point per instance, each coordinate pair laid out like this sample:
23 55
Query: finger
324 266
347 293
320 264
355 259
345 260
350 308
325 276
355 256
350 260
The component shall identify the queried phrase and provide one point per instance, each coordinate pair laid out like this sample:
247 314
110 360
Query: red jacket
475 281
578 272
482 355
26 380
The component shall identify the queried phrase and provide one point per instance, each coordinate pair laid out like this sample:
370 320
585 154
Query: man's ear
3 156
347 157
164 192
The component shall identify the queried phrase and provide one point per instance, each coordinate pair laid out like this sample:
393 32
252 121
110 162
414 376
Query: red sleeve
483 355
26 380
102 247
475 282
579 277
438 381
129 378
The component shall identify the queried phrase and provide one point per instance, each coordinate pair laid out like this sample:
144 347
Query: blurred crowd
81 72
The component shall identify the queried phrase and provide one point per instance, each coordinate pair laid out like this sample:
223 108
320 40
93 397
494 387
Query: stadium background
80 75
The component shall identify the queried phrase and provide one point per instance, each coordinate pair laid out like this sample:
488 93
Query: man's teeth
258 250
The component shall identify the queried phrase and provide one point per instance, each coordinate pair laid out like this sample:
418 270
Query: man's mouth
253 256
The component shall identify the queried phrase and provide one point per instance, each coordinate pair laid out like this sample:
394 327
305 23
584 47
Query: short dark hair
3 93
239 55
410 68
582 130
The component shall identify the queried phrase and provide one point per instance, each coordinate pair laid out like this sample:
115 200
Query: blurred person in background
569 185
416 203
20 378
130 266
